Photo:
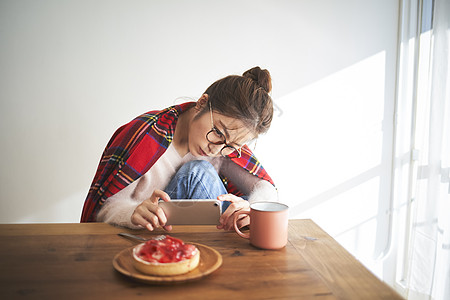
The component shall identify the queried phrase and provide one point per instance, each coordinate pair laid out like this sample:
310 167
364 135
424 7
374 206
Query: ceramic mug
268 225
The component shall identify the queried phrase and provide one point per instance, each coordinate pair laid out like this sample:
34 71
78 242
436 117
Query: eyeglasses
216 137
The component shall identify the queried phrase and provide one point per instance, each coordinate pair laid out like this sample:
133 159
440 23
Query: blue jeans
197 179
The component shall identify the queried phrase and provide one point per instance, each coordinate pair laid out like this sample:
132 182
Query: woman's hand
149 215
237 205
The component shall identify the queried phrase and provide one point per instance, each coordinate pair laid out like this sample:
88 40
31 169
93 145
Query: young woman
195 150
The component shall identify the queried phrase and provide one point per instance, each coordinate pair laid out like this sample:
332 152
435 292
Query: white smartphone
192 211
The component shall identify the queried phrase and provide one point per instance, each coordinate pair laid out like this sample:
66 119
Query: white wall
73 71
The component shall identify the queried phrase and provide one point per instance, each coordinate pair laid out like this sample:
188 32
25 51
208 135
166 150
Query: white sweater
119 207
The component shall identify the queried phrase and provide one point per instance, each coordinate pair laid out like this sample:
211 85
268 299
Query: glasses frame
224 139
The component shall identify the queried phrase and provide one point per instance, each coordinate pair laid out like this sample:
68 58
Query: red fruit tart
165 256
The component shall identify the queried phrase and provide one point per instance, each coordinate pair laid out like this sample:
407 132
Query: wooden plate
210 260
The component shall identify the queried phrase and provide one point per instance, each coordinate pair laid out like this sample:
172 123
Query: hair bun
261 77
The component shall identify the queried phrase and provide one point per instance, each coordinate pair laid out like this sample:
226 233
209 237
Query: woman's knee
197 166
197 171
196 179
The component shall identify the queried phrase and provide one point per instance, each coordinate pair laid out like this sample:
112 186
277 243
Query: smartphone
192 211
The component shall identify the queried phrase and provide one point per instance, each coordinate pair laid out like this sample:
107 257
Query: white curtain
426 248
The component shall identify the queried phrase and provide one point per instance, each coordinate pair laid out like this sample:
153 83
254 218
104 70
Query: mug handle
244 235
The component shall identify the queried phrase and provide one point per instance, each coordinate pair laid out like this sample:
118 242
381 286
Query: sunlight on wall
333 134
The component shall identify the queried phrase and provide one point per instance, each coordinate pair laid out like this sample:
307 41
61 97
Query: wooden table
74 261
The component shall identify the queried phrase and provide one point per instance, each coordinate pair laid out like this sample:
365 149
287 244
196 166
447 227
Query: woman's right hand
149 215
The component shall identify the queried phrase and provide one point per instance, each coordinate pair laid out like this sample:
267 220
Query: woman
195 150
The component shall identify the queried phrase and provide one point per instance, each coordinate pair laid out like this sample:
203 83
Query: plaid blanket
135 147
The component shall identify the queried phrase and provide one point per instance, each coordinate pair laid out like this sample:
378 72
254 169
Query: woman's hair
245 98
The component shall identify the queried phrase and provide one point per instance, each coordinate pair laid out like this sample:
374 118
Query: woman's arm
119 208
257 189
118 211
133 208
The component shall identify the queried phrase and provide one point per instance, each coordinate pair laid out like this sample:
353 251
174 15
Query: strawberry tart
165 256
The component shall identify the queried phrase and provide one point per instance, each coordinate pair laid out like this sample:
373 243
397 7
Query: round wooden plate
210 260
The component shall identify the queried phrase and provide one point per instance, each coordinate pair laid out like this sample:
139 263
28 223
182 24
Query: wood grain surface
75 261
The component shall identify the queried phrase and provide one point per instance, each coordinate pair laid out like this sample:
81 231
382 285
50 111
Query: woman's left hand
237 205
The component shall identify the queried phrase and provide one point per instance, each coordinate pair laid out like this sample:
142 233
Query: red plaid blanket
135 147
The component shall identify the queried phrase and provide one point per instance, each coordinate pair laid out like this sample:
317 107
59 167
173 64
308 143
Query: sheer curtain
423 262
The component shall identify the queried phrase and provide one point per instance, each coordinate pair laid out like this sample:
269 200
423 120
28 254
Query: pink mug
268 225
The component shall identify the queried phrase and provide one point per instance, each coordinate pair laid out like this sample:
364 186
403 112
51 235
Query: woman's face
234 131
